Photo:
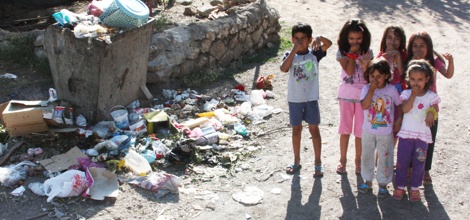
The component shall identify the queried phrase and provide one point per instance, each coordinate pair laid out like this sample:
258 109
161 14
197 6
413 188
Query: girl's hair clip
362 29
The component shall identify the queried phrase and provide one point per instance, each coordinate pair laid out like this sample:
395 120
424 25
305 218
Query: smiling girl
420 46
353 55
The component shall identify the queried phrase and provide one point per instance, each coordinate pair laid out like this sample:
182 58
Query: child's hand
429 119
448 57
355 48
364 60
415 89
373 84
316 43
296 47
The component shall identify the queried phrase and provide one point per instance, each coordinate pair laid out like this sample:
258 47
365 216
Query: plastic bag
157 181
11 175
70 183
104 129
257 97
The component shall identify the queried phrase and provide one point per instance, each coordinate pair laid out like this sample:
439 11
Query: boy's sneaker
415 195
398 194
382 192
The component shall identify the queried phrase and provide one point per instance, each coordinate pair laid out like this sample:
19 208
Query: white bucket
120 117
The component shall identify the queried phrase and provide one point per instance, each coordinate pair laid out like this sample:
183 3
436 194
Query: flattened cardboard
105 184
63 161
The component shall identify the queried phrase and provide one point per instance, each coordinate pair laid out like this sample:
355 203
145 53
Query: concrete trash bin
96 76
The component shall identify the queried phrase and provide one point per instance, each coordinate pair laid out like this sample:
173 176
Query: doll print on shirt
379 112
305 70
356 77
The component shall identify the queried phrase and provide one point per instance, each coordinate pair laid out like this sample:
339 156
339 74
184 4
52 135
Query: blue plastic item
126 14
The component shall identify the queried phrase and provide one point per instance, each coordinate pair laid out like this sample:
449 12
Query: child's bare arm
407 105
398 120
449 71
285 66
348 65
365 103
431 116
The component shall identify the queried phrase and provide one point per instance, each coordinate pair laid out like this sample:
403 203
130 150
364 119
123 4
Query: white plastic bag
70 183
158 181
257 97
11 175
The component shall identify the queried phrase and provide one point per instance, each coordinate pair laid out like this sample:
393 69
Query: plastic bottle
240 129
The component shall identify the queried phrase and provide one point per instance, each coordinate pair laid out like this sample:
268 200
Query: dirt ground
302 196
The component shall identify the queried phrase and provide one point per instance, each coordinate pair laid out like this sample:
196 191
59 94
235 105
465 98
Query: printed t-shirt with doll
379 117
303 83
414 124
350 87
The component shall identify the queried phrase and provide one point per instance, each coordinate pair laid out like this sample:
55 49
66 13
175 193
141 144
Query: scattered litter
68 184
251 195
157 181
105 184
11 176
18 191
34 151
37 188
8 76
62 161
137 163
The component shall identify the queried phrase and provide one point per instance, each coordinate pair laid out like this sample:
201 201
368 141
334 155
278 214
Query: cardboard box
26 117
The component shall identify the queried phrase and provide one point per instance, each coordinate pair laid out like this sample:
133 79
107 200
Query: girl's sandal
293 168
319 171
427 181
341 169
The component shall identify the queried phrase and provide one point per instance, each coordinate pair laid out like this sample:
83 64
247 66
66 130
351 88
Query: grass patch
163 23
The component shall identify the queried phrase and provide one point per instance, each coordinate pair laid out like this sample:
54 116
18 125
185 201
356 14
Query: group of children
383 100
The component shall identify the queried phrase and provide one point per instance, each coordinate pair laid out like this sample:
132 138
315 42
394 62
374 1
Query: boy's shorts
307 111
350 114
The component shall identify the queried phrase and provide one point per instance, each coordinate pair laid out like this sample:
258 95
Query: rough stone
39 52
225 60
39 42
201 62
204 11
205 45
184 2
190 11
216 2
233 40
242 35
256 35
237 51
218 49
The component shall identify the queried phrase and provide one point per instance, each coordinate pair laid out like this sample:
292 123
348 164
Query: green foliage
163 23
286 43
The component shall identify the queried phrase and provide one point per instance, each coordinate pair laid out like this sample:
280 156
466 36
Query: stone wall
198 46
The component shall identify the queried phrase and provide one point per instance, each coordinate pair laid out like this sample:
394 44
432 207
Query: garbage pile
182 127
104 17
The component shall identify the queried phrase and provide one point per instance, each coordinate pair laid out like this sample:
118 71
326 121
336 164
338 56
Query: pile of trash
104 17
182 127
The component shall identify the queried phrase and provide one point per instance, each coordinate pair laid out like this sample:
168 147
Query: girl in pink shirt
353 55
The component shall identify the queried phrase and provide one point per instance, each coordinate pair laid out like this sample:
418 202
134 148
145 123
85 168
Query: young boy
303 90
